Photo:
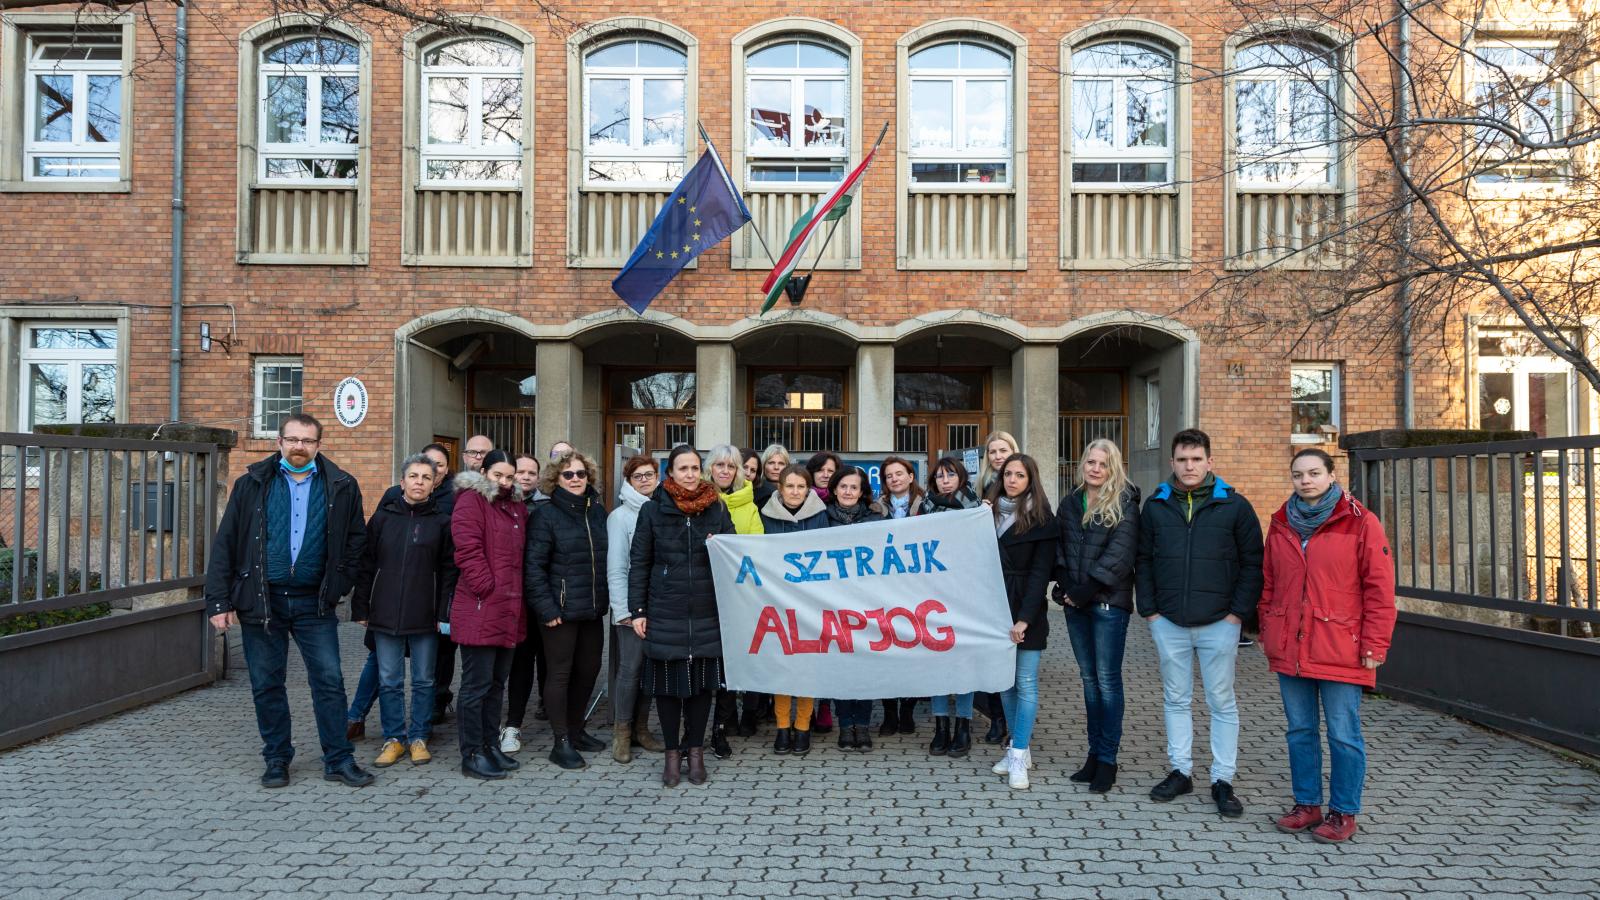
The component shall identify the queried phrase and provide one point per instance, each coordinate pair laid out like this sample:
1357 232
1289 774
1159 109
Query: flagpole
751 222
828 238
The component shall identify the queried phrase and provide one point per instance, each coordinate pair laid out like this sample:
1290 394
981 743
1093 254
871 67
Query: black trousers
483 686
444 671
683 720
527 661
573 651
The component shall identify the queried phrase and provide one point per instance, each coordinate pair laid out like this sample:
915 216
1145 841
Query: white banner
903 608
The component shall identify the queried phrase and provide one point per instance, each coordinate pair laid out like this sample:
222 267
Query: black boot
891 718
506 763
847 738
1105 775
941 736
585 742
863 737
997 726
747 721
908 718
719 742
782 743
961 741
564 755
476 765
1085 774
802 743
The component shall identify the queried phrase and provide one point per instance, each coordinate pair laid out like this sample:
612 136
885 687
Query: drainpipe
1408 413
181 77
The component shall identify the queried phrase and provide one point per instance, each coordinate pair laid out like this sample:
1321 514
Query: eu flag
700 213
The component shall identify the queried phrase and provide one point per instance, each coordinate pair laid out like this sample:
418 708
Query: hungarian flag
833 205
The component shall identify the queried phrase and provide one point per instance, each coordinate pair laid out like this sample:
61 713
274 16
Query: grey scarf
1305 518
1008 515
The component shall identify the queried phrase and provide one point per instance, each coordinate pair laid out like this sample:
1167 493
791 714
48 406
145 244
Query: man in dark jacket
288 548
1199 579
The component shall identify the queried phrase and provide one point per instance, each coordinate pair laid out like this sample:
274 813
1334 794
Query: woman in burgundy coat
1327 613
487 616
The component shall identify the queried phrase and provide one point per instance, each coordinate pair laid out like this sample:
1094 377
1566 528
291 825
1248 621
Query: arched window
798 105
960 122
1284 92
472 113
1123 94
634 113
310 111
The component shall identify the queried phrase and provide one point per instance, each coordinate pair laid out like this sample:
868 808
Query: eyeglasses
574 476
645 475
301 442
475 452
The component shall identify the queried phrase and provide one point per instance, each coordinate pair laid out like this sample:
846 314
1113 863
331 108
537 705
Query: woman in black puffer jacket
1094 580
674 606
564 583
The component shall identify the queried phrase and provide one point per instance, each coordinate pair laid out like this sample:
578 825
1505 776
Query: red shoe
1338 828
1301 818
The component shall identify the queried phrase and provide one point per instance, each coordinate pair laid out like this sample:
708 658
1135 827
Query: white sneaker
1027 757
1004 765
510 739
1018 775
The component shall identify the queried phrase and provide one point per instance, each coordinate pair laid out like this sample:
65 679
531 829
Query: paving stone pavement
163 802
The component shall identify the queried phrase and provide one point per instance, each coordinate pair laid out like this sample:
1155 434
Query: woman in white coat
630 710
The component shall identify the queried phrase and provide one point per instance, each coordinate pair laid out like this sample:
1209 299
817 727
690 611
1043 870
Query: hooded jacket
619 546
1328 605
408 571
1094 553
742 509
1199 555
669 578
236 571
489 528
777 519
443 496
564 566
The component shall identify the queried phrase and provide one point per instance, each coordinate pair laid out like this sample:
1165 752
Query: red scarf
693 502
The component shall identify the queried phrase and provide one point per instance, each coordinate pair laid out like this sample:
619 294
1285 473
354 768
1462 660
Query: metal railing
86 520
1076 430
800 432
1505 525
510 431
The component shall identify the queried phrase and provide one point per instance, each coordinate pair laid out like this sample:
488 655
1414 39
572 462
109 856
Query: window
1152 413
652 390
804 411
1284 93
472 114
635 113
73 107
1523 386
278 392
309 111
960 123
797 93
1514 84
938 391
1122 122
1313 400
69 374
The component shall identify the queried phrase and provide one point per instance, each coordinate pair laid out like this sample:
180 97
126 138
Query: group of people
514 565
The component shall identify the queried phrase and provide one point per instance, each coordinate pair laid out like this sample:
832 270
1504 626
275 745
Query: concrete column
560 398
1035 404
874 397
713 389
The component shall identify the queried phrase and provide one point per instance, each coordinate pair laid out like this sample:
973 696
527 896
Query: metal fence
1075 431
1507 526
800 433
86 520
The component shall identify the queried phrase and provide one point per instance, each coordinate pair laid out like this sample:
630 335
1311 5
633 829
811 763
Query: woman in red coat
1327 612
487 617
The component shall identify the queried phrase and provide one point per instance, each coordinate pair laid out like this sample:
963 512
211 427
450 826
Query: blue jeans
1021 700
1341 706
941 705
366 689
266 655
1216 646
391 654
854 712
1099 635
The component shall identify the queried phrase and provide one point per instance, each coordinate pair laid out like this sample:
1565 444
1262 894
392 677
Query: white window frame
1542 362
1479 73
1152 413
1334 400
1119 151
1284 148
260 364
636 76
475 149
797 153
310 149
79 145
957 152
75 359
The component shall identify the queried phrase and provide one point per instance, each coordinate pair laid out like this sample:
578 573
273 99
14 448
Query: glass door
1522 387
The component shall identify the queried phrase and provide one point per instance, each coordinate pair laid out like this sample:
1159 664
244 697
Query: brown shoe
419 753
642 738
697 765
622 742
1302 817
355 731
1336 829
390 754
669 768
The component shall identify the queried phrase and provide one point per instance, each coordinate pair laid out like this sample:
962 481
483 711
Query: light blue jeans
1217 647
1021 700
963 704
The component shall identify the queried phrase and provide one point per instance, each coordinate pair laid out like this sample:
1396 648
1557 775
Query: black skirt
681 677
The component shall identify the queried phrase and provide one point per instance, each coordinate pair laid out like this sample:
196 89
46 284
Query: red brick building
441 216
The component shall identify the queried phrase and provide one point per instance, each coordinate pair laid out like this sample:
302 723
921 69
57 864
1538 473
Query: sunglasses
574 476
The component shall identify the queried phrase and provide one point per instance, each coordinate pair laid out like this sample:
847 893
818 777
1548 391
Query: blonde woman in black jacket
1094 580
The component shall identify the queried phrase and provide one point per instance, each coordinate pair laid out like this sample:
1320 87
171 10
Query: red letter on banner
768 624
947 635
795 642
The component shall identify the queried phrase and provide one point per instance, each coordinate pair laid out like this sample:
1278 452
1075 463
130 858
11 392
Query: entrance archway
793 386
643 377
461 376
952 386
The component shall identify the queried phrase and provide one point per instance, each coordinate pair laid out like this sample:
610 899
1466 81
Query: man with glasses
444 667
288 549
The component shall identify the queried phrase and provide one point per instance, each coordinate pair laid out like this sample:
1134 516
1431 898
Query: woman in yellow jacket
725 469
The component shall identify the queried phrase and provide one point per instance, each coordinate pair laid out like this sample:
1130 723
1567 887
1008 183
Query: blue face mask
283 462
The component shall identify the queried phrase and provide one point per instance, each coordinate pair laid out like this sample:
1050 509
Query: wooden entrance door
649 409
943 410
